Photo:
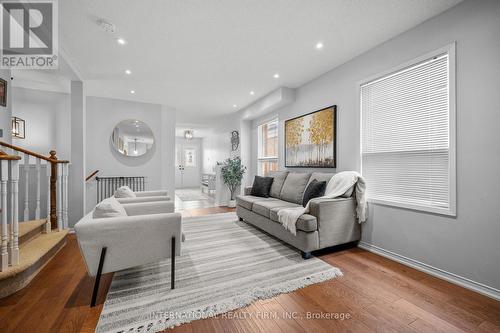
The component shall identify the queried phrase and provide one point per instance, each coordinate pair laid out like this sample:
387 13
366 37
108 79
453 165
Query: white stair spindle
26 187
59 197
48 225
65 192
4 254
37 209
14 240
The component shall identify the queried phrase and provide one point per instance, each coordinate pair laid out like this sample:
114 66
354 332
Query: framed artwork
311 140
3 92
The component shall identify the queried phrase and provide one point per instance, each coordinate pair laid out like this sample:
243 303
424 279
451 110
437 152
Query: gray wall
47 116
102 116
467 245
6 112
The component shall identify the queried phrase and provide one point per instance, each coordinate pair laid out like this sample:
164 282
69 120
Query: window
408 134
268 147
190 158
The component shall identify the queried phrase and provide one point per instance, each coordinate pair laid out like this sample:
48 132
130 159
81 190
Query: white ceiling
203 56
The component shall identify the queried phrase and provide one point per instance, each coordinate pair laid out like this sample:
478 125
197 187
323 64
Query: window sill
451 211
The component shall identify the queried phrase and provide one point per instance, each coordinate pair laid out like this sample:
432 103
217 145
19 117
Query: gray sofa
329 221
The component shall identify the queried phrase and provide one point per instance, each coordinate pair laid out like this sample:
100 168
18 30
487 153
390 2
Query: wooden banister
24 151
31 153
53 189
5 156
54 162
91 175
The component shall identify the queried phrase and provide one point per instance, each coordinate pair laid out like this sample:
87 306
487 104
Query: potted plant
232 174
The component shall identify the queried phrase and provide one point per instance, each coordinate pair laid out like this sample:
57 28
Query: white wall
217 145
466 245
6 112
78 131
168 120
216 148
47 116
102 116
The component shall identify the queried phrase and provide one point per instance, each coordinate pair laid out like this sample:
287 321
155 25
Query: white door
187 164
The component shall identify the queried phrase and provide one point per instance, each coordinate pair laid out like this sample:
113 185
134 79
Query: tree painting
294 129
310 140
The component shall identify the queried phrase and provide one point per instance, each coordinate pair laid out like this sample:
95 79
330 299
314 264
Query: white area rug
225 265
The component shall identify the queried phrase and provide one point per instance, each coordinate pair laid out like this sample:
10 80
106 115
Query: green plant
232 174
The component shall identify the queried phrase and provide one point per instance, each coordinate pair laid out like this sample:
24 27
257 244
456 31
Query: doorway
188 168
187 163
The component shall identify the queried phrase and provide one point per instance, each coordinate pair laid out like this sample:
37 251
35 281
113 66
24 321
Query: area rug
225 265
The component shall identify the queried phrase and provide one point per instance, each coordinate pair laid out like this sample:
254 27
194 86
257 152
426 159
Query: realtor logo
29 36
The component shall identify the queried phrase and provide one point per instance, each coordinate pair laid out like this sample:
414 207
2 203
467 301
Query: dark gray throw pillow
261 186
315 189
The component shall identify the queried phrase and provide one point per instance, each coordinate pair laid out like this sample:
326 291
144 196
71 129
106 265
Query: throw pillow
315 189
124 192
261 186
109 207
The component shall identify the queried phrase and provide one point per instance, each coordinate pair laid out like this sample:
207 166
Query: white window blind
407 158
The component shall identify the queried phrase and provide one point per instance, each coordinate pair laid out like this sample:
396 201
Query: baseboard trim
431 270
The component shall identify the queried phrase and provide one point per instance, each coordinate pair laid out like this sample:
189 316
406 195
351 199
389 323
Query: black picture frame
3 92
334 146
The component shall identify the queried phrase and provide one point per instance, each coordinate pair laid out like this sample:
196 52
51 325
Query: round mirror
132 138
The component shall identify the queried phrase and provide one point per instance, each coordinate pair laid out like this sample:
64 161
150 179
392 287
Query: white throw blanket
338 185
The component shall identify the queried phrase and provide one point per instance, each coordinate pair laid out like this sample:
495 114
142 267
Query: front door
187 164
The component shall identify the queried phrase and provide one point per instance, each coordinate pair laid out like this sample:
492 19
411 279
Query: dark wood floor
374 295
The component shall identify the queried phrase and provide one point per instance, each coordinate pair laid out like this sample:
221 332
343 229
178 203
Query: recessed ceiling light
235 106
252 92
121 41
128 72
276 76
319 45
132 91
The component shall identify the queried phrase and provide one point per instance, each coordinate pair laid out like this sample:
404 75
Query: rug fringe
238 302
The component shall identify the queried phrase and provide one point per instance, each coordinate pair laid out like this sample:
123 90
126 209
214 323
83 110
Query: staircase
36 249
28 240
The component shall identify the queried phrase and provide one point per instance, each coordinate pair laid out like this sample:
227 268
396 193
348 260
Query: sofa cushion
124 192
326 176
246 201
315 189
279 179
321 177
294 187
263 207
261 186
109 207
305 222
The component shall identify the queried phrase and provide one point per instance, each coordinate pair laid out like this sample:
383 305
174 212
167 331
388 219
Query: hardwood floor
374 295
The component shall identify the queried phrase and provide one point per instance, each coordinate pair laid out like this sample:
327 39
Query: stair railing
9 248
106 186
57 172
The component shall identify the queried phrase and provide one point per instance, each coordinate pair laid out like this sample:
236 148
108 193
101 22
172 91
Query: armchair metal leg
172 274
98 277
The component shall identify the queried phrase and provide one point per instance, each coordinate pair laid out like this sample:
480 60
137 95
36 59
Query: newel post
53 189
